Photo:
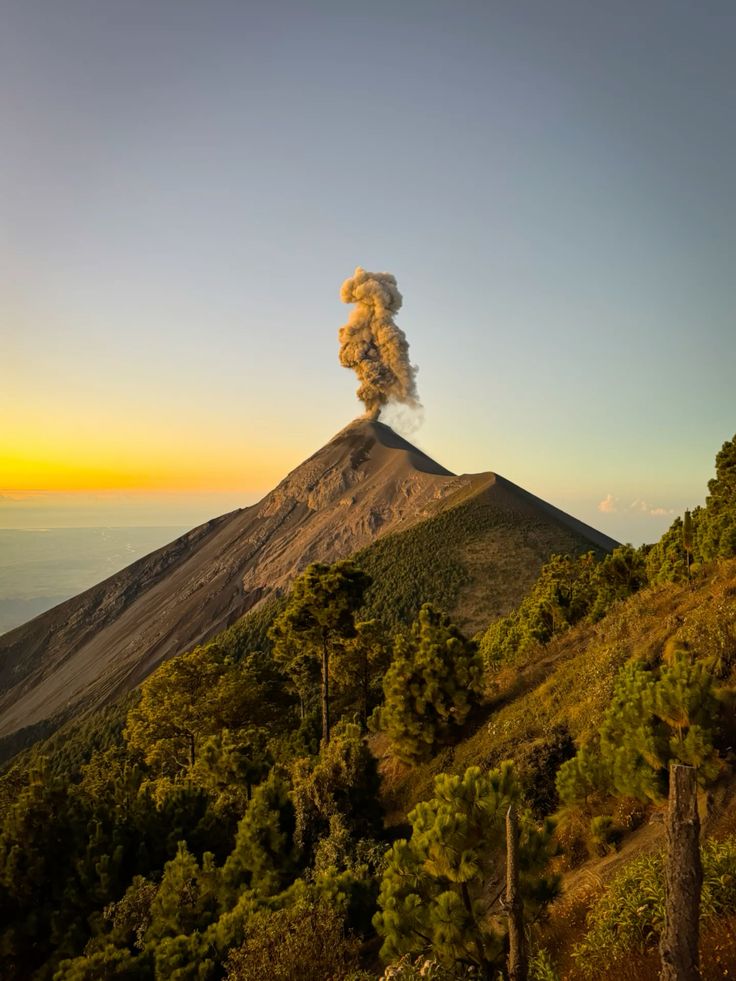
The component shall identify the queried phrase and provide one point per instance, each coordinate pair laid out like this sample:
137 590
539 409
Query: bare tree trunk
325 692
518 967
365 695
683 879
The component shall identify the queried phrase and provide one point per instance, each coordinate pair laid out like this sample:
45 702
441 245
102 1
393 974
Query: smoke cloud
373 346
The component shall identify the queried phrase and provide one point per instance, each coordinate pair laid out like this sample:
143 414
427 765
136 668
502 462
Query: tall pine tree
434 680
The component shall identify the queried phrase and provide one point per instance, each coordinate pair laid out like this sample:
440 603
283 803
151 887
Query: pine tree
337 794
687 540
718 535
187 699
360 664
633 747
583 777
319 616
434 893
434 679
667 560
109 963
42 832
187 899
265 856
654 718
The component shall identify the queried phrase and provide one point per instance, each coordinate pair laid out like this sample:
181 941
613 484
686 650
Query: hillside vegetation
236 814
475 560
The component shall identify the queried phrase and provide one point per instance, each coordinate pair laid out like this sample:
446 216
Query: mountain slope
365 483
476 557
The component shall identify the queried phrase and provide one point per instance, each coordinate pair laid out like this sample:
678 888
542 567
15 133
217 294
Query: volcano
364 484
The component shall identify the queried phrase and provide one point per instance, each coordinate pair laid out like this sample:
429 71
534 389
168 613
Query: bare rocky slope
365 483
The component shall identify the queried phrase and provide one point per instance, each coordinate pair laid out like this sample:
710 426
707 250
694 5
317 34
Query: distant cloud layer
612 505
608 504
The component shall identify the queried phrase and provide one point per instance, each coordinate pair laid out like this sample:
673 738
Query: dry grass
570 683
717 959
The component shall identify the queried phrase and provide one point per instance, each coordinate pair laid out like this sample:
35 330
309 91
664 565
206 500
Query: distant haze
39 569
47 509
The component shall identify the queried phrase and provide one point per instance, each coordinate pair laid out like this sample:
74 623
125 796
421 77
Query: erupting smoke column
372 344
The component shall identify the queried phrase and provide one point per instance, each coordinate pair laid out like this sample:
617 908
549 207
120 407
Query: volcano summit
365 484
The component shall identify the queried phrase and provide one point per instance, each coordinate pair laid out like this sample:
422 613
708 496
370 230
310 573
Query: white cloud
610 505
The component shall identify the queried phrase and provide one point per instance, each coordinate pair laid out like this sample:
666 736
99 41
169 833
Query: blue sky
186 185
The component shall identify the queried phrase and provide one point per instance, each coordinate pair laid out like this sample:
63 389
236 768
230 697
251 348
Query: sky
185 185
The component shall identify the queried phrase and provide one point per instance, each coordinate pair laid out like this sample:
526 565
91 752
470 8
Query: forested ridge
319 792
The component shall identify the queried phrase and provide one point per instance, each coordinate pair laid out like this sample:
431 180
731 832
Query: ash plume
373 346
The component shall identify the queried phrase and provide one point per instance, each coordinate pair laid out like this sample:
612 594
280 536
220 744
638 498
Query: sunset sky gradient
185 185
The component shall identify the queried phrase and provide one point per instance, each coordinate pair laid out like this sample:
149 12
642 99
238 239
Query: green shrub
434 680
604 835
434 898
569 589
305 941
654 718
630 914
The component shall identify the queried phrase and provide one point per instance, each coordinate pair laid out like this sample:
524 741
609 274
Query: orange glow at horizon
196 468
70 444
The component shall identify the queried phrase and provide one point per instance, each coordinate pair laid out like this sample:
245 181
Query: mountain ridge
367 482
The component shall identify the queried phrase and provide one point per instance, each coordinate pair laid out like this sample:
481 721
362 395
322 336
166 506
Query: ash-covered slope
364 482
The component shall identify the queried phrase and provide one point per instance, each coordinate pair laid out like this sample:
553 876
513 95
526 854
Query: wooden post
518 967
683 879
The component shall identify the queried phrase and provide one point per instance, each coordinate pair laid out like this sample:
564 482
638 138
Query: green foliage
110 963
562 595
265 857
630 914
319 617
305 941
433 681
421 565
717 536
336 799
583 776
217 821
186 900
541 967
705 533
250 633
67 745
190 697
618 576
408 968
40 832
359 667
130 917
229 764
569 589
434 898
667 559
654 718
604 834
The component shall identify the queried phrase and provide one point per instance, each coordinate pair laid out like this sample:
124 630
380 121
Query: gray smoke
373 346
